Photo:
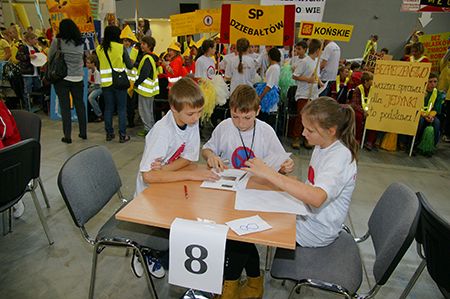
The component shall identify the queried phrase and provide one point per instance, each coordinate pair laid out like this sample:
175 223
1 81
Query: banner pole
363 137
136 17
412 145
218 58
315 70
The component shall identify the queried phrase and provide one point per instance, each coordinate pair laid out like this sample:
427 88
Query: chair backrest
19 164
29 124
436 243
291 103
87 181
392 227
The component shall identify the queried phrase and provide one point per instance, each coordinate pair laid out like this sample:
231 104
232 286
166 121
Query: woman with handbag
113 59
68 41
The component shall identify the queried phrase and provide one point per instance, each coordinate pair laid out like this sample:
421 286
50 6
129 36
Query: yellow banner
183 24
436 46
77 10
207 20
21 14
329 31
261 25
373 58
396 96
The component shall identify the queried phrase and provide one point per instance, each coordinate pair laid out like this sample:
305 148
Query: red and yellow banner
436 46
261 25
77 10
329 31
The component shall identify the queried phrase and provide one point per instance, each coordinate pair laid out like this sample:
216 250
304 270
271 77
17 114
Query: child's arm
307 79
213 160
166 176
308 194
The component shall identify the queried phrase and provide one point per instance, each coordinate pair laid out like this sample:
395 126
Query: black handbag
57 67
119 79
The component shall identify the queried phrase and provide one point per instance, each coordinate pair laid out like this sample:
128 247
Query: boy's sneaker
153 264
18 209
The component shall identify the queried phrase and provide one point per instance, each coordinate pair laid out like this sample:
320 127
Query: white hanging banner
304 10
197 254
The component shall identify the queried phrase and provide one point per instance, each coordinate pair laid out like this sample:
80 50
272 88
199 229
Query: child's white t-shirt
94 77
332 170
226 143
167 141
272 79
204 67
305 67
248 72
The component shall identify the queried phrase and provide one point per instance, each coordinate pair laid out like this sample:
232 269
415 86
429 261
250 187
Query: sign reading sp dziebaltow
396 96
329 31
261 25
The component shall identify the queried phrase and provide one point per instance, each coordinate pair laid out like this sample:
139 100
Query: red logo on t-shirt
177 154
311 175
240 156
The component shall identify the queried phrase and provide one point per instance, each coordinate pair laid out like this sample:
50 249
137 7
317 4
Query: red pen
186 194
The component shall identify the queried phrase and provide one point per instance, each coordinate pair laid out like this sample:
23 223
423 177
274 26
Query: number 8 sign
196 255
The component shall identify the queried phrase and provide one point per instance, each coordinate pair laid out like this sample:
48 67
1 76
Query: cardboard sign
436 46
207 20
197 254
261 25
304 10
77 10
396 96
434 5
372 60
329 31
410 6
183 24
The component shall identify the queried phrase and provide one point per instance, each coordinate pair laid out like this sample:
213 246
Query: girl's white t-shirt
248 73
332 170
226 143
272 79
204 67
167 141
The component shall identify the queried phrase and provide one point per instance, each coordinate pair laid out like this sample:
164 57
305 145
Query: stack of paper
244 226
230 179
269 201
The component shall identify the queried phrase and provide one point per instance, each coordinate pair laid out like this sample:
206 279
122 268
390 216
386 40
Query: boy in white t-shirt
171 146
307 76
299 54
94 89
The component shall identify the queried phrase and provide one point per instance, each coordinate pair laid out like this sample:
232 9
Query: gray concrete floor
30 268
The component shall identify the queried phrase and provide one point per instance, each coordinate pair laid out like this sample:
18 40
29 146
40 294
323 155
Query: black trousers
63 89
240 256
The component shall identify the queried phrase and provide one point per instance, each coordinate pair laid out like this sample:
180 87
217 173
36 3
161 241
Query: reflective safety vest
364 98
431 101
115 54
150 86
132 74
338 82
412 59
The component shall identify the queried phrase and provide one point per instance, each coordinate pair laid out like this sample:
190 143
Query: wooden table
161 203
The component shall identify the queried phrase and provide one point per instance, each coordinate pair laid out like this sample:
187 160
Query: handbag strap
107 57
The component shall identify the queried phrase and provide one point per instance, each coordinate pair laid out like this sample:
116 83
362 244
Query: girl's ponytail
242 46
346 130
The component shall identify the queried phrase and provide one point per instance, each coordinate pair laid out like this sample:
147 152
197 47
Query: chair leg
268 257
41 217
151 286
295 289
93 271
43 192
11 220
5 223
413 279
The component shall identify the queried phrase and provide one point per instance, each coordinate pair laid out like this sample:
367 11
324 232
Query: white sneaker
154 266
136 266
18 209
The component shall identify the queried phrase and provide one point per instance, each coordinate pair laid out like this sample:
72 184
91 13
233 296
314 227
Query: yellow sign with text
397 96
436 46
77 10
329 31
207 20
183 24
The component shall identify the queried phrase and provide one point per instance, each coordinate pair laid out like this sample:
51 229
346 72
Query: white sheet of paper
274 161
230 179
244 226
269 201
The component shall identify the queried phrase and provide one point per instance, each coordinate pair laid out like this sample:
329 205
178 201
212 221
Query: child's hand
312 79
216 163
287 166
258 168
157 164
204 175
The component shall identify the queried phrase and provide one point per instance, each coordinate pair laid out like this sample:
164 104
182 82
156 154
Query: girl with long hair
242 68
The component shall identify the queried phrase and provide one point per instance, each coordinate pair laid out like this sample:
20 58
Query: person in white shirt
227 58
299 53
270 94
329 65
239 139
242 68
306 75
332 172
204 64
94 88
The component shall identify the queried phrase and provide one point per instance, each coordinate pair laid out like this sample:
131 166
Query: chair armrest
347 229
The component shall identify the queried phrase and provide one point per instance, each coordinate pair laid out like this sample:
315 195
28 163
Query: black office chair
20 164
29 125
433 246
290 110
87 182
337 267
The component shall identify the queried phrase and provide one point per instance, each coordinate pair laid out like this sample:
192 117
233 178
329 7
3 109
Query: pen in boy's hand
186 194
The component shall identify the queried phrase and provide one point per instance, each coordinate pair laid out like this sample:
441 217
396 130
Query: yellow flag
329 31
207 20
183 24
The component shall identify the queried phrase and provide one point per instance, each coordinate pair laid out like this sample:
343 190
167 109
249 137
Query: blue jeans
93 97
113 97
30 83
